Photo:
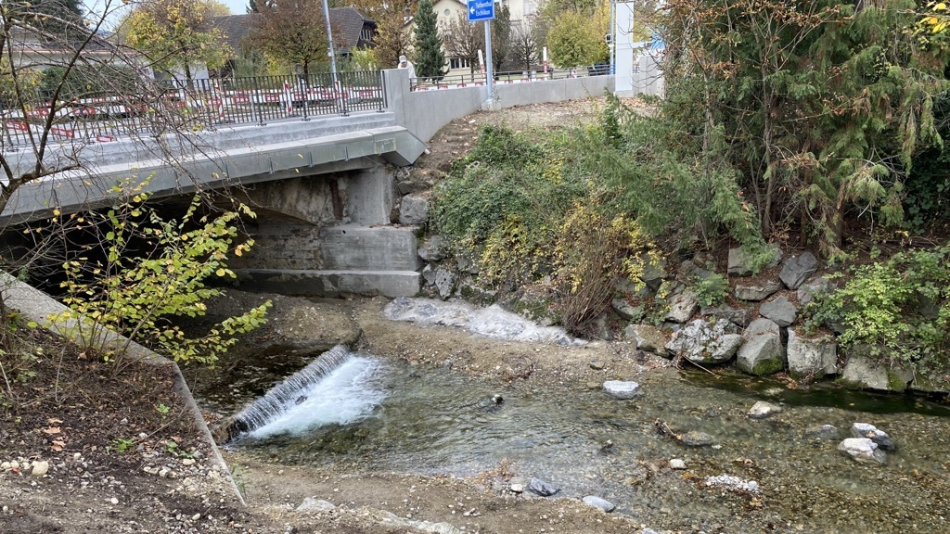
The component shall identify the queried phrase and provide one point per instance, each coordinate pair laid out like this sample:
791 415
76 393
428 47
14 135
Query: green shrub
712 290
898 308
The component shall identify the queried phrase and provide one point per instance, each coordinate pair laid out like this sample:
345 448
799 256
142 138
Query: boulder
414 210
780 310
542 488
864 430
924 384
815 286
701 342
432 249
763 410
811 357
863 450
428 275
797 269
738 316
597 502
653 274
862 372
755 292
740 263
682 307
626 310
622 390
444 282
647 338
695 438
762 352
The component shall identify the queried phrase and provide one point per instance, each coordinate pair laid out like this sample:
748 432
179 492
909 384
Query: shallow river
373 414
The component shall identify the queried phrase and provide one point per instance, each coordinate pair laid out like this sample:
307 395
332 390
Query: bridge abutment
328 235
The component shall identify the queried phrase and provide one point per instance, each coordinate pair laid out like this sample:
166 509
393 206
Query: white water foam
345 395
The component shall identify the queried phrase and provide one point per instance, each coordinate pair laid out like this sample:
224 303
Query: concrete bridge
324 189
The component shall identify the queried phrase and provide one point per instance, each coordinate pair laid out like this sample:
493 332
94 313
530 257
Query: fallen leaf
51 430
53 420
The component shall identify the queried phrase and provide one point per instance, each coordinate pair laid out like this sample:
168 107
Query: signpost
484 10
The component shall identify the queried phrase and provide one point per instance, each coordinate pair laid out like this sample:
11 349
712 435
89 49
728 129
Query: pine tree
430 59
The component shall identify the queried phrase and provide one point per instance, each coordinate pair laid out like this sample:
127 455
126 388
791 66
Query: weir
287 395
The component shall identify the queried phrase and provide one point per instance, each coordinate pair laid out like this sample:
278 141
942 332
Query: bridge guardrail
453 81
202 104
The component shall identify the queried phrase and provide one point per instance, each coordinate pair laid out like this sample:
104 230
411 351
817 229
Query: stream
376 414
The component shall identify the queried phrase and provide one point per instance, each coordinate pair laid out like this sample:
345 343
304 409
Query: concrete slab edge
37 306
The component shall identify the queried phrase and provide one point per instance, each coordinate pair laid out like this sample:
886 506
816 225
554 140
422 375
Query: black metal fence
202 104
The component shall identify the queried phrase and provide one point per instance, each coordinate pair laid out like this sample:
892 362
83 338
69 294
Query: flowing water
369 414
373 415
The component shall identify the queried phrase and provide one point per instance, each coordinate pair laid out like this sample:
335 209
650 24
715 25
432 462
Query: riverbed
440 402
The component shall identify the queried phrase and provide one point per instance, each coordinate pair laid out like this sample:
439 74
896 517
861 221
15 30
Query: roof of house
347 24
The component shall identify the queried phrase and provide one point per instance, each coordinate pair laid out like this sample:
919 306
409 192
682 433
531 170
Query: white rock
14 464
5 465
762 409
597 502
40 468
676 463
622 390
863 450
196 517
187 462
114 500
517 488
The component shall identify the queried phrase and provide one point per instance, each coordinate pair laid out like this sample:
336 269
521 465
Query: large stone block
809 357
755 292
762 352
779 310
796 270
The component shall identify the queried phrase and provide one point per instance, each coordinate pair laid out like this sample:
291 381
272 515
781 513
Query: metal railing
202 104
452 81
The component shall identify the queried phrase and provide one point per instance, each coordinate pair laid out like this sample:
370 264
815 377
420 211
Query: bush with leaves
899 309
595 251
504 202
137 294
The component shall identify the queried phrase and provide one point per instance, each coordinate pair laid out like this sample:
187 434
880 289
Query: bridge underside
323 207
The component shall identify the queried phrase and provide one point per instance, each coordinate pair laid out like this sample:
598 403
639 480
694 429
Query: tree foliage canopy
430 59
292 32
178 33
820 106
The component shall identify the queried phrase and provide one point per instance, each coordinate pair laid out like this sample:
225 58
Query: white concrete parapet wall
424 113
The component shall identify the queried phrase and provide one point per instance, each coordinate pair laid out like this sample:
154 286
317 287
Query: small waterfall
285 395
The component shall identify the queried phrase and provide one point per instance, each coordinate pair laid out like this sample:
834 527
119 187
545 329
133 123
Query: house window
458 63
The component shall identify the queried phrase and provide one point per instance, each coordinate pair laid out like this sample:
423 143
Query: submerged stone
863 450
762 410
622 390
864 430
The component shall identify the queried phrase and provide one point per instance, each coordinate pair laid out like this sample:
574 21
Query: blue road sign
481 10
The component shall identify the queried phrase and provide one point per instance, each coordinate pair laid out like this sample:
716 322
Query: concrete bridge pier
329 235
